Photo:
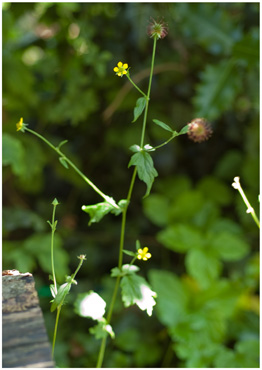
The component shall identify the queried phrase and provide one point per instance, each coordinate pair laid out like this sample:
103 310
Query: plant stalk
80 173
123 225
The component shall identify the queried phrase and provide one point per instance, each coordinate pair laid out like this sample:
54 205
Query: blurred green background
58 61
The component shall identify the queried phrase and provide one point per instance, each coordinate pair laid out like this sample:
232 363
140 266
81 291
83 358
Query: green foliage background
58 61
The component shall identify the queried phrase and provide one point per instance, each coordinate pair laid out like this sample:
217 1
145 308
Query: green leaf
214 189
217 90
140 106
101 330
125 270
63 162
90 305
228 246
62 292
172 296
130 269
247 50
38 246
186 205
145 168
163 125
211 36
136 290
156 209
13 154
123 204
181 238
202 266
115 272
135 148
52 289
129 253
97 211
184 130
21 218
138 245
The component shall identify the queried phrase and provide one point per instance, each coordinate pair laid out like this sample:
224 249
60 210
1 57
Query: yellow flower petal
19 125
125 66
119 64
116 69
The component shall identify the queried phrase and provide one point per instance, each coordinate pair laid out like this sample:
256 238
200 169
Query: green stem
78 267
132 82
148 93
55 330
86 179
123 225
250 209
166 142
120 261
52 247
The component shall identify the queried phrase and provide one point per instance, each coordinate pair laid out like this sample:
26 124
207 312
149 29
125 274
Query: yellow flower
19 124
121 69
142 254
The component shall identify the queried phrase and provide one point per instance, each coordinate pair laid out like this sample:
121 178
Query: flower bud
199 130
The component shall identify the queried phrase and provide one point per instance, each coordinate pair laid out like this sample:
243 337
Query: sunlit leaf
136 290
90 305
97 211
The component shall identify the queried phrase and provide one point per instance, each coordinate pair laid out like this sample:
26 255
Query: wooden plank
24 338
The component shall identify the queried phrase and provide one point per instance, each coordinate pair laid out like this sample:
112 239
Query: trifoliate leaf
140 106
60 297
90 305
145 168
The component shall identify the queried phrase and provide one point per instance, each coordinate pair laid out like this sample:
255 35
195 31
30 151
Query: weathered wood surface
24 338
